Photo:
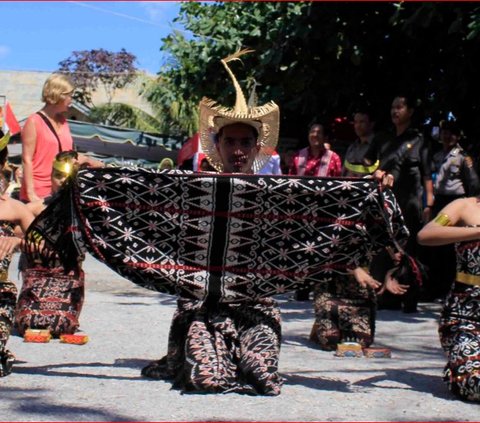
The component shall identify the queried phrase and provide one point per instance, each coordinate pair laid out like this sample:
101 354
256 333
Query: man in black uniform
405 158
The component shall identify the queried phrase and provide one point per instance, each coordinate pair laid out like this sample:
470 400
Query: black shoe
157 370
6 362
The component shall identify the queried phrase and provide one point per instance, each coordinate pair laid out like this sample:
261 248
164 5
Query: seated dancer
228 347
63 166
12 212
224 243
47 299
459 330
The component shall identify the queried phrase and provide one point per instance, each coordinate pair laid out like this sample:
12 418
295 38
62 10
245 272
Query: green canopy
121 135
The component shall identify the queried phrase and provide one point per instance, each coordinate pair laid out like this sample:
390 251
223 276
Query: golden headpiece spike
252 99
66 167
4 140
240 102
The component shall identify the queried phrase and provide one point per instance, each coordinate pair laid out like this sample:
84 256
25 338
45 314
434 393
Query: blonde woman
45 134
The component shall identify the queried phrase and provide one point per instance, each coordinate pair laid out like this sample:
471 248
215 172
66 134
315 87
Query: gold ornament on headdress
265 119
66 167
4 140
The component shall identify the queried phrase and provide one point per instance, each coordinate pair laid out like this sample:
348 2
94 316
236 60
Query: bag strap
49 124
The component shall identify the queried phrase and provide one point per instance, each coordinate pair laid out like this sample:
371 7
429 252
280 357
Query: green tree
90 68
316 60
124 116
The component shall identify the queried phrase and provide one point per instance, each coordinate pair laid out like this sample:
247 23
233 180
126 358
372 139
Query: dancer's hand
364 278
392 285
8 245
385 178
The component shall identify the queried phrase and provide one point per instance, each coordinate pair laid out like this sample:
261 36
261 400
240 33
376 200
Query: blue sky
37 35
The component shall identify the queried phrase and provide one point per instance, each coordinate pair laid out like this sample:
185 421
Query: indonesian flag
10 122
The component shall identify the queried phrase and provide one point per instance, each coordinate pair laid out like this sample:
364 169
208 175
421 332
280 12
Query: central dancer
224 243
215 347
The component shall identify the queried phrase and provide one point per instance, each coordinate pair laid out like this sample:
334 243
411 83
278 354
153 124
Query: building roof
115 142
23 90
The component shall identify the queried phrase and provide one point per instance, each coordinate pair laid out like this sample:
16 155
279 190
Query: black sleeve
373 152
469 177
426 159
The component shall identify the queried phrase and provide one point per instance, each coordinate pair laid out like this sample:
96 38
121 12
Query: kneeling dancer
224 243
459 223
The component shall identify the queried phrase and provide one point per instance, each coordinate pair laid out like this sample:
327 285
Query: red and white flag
9 121
188 150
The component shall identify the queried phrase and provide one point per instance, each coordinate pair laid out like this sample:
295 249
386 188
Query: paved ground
128 327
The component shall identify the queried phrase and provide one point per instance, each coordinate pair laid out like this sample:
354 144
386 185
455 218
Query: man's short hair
365 110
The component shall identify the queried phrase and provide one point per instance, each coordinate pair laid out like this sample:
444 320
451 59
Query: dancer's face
237 147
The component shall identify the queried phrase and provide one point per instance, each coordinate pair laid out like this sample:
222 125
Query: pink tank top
45 151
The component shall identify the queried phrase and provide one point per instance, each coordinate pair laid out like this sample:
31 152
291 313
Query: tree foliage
125 116
90 69
316 60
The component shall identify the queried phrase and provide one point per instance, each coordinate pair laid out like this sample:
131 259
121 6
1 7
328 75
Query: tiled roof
23 90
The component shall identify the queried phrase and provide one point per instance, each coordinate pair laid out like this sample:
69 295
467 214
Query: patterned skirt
460 337
8 297
344 312
223 348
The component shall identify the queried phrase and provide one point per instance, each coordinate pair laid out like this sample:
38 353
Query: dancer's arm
443 229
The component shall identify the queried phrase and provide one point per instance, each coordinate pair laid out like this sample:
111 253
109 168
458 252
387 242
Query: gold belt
468 278
3 275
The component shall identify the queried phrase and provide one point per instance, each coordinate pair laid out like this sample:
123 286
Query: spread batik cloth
222 238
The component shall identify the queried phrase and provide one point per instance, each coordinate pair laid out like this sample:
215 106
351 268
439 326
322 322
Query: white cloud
159 11
4 51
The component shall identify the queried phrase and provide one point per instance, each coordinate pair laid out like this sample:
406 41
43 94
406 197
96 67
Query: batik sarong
460 325
8 297
230 348
344 312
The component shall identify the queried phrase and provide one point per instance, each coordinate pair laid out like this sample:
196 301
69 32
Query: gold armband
442 219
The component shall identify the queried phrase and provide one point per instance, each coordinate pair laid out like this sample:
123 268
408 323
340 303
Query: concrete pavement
128 327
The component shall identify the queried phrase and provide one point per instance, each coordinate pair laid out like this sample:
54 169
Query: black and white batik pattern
460 327
8 299
223 237
224 244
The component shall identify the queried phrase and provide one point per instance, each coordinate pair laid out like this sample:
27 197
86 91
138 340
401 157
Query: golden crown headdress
4 140
213 117
64 166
